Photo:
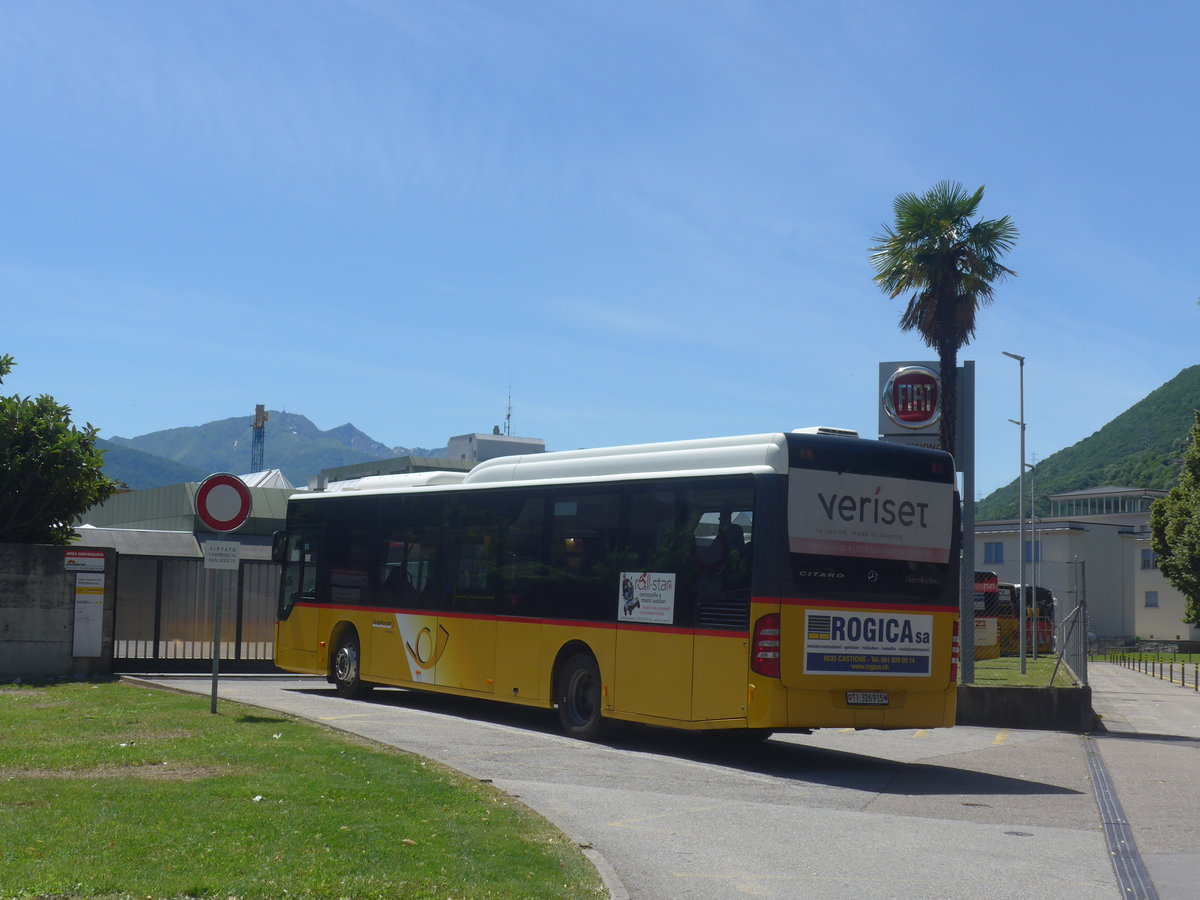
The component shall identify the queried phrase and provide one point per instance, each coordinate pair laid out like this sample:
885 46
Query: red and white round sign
223 502
912 397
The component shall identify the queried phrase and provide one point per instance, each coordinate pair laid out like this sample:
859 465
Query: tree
947 265
1175 529
50 470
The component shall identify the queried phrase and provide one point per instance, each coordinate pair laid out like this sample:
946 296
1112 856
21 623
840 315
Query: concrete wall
1046 709
45 606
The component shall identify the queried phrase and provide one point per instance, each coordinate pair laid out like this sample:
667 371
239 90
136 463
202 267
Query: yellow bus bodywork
697 680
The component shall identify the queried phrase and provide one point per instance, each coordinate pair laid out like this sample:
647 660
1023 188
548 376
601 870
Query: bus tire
578 697
347 672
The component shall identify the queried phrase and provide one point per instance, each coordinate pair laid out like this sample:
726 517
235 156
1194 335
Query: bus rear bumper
856 708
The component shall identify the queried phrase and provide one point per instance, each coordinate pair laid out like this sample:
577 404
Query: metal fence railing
1056 623
164 614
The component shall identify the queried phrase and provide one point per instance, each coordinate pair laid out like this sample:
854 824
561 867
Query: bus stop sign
223 502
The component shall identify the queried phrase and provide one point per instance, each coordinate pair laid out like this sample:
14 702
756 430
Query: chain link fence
1056 624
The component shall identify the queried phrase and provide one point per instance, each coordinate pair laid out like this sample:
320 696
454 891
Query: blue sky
651 219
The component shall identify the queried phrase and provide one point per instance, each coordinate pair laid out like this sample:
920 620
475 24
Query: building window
1033 551
1149 559
993 552
1152 598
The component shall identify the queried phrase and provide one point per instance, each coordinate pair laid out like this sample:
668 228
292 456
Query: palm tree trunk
948 362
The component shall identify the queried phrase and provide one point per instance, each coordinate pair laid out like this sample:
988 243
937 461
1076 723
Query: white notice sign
89 613
222 555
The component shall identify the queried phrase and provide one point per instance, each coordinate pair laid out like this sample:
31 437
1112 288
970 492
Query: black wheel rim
580 705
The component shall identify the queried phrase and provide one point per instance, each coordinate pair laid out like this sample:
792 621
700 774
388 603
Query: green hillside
1140 448
137 470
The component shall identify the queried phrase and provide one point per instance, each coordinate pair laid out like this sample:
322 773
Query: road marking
1001 738
632 823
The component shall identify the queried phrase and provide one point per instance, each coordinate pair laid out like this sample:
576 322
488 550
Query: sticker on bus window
874 642
647 597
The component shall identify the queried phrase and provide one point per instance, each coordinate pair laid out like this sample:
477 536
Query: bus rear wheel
578 696
346 668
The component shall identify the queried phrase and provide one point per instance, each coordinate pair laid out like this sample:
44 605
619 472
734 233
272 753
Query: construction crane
259 443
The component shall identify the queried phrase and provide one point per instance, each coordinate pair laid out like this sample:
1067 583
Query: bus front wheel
347 674
578 696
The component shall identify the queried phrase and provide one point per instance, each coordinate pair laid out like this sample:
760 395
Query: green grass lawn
1006 672
114 790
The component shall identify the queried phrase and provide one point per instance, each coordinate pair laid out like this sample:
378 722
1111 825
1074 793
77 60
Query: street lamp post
1021 621
1035 559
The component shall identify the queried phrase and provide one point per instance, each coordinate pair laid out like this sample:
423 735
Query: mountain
1140 448
139 470
293 444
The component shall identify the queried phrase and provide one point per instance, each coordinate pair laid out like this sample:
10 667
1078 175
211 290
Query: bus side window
409 552
524 569
656 541
409 568
472 553
350 551
299 577
715 585
722 526
585 561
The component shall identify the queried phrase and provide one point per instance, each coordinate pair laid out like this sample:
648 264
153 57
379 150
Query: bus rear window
878 536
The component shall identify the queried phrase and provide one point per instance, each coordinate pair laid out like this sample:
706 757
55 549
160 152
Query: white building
1095 544
474 448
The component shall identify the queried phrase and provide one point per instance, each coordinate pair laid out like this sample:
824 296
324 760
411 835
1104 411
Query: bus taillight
764 655
954 655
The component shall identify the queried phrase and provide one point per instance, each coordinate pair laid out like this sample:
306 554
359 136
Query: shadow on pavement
778 759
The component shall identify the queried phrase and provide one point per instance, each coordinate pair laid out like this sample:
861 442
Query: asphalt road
955 813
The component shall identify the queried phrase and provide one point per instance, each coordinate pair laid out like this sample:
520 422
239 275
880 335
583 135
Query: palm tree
949 264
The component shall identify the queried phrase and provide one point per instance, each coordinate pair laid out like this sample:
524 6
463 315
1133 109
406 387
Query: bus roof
755 454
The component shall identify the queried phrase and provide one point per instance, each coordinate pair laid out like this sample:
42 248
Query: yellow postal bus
772 582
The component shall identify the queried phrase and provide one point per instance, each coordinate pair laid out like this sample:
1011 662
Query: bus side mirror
279 547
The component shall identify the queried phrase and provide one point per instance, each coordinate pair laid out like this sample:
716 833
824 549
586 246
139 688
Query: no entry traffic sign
223 502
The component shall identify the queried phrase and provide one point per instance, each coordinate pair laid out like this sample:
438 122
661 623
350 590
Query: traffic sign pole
216 644
223 504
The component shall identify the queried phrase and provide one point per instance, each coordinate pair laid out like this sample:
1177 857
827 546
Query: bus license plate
867 698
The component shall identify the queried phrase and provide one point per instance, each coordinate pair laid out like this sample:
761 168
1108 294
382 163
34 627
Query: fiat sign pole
910 412
223 504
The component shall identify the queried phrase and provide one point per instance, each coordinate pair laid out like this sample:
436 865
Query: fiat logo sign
912 397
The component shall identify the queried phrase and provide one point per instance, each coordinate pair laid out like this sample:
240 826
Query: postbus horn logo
912 397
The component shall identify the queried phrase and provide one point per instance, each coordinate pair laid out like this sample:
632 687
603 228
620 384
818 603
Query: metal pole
965 459
1036 557
1021 621
216 642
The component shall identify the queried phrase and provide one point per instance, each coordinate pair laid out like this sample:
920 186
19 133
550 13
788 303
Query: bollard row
1156 667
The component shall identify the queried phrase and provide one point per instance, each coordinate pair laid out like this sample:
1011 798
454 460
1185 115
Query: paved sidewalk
1150 745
